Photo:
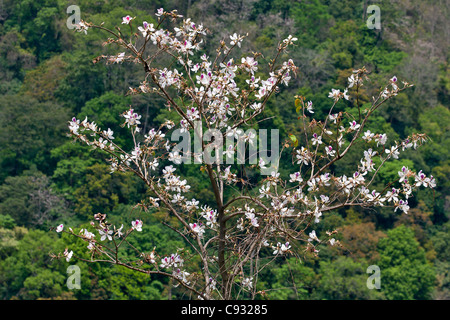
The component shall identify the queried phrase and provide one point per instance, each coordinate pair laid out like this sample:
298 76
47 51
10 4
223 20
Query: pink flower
354 125
137 225
126 20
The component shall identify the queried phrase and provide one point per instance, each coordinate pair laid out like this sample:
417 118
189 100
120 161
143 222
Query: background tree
406 273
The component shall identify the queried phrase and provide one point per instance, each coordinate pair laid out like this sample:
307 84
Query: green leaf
298 105
294 140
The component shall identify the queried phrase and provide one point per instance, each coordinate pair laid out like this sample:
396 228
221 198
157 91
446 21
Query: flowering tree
250 225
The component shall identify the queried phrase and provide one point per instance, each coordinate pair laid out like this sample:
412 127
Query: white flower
357 178
289 40
367 165
394 82
346 97
119 231
316 139
109 134
403 174
117 59
182 275
382 138
198 228
177 198
247 283
82 27
324 179
60 228
147 28
261 163
262 92
229 152
250 214
421 179
394 152
235 39
192 205
369 154
173 261
313 236
303 156
312 185
175 157
309 107
335 94
256 106
275 175
281 248
153 164
431 182
87 234
375 198
345 183
234 132
152 257
102 143
333 117
167 171
385 93
193 113
329 151
136 153
402 205
210 216
68 255
285 79
317 215
249 64
296 177
168 77
406 144
228 175
136 225
264 191
105 234
253 219
352 80
324 198
132 118
74 125
354 125
368 136
392 195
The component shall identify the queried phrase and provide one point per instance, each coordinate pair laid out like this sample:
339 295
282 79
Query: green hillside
47 76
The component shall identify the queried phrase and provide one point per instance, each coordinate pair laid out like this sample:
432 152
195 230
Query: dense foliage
47 77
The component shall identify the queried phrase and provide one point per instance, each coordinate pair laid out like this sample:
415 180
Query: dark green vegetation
47 76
